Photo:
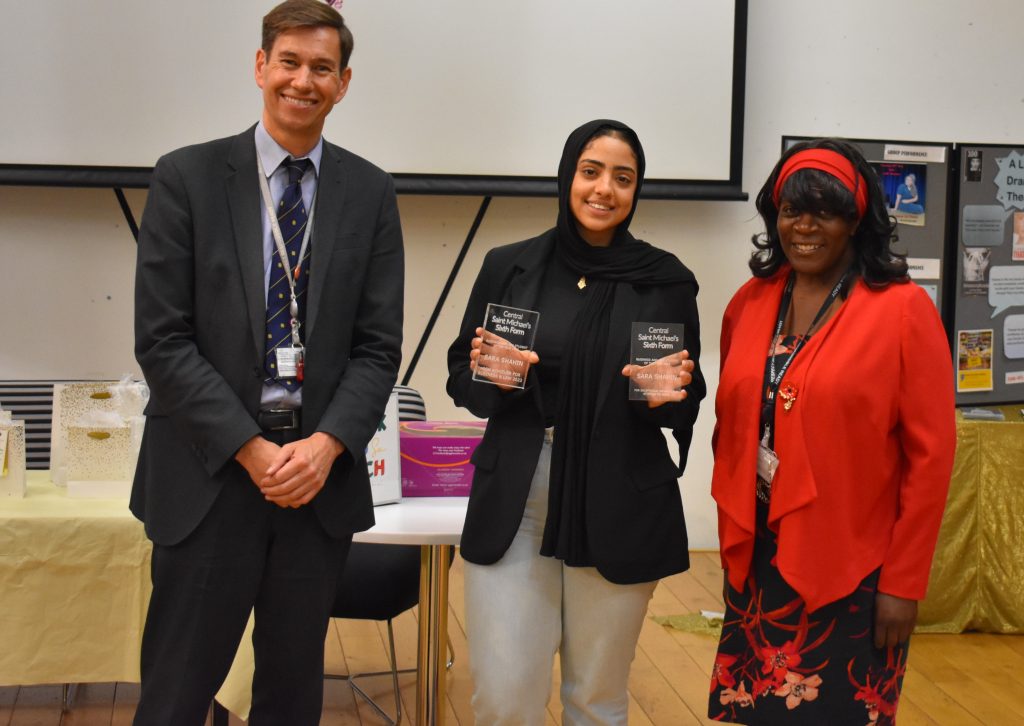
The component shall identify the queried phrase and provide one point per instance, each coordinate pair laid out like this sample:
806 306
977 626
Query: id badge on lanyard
289 361
767 460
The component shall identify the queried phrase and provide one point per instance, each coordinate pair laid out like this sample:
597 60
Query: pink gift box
435 457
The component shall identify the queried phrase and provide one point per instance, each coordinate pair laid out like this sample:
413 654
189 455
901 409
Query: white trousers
524 608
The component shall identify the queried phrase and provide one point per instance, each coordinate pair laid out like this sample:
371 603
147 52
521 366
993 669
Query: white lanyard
282 251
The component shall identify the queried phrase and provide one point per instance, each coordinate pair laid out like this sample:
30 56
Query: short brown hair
293 14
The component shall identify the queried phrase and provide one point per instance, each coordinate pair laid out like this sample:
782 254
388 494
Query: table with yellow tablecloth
977 580
74 587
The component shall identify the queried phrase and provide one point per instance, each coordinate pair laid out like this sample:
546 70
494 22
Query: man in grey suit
268 314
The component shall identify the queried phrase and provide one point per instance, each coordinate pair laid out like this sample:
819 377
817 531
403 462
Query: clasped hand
494 358
290 475
664 380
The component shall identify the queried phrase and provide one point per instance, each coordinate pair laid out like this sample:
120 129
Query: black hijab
626 260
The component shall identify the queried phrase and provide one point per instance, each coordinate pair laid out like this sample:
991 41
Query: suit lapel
244 206
625 309
523 290
326 220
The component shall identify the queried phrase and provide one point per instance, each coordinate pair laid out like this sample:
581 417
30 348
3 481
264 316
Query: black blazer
200 308
634 513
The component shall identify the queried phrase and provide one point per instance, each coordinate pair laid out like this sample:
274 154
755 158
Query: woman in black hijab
575 511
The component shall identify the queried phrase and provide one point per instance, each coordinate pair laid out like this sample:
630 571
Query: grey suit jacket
200 306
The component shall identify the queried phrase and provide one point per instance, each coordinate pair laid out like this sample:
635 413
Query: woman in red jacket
833 450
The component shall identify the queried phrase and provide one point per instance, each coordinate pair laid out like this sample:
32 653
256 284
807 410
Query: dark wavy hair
809 189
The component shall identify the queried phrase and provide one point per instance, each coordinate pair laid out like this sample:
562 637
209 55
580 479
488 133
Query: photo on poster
904 188
974 360
972 171
976 261
1018 236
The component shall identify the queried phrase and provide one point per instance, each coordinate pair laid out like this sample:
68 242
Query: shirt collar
272 153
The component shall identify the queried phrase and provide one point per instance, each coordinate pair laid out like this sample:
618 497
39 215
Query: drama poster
974 360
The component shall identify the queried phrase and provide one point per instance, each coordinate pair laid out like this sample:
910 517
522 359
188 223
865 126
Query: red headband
832 163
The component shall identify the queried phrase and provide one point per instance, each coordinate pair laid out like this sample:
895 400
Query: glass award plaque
508 334
649 343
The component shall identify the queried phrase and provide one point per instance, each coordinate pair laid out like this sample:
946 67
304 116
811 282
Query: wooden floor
952 679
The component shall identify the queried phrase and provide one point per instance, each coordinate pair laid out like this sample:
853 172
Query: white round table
435 524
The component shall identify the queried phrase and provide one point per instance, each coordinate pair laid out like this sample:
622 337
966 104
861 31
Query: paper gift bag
74 401
100 461
12 458
70 403
383 458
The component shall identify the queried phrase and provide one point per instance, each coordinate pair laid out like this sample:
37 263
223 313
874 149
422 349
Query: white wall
911 71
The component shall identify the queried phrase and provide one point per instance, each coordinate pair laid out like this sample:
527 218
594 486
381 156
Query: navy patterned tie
291 217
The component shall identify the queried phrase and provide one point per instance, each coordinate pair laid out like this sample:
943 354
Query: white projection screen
451 96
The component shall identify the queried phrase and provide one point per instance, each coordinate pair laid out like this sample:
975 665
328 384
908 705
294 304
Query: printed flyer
974 360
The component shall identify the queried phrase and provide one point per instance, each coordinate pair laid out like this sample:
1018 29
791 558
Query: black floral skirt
779 664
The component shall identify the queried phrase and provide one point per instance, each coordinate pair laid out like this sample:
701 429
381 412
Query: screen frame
138 177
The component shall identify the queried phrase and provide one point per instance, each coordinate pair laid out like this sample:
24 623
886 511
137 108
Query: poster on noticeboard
989 292
974 360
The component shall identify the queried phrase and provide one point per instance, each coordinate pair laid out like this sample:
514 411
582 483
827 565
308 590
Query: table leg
68 696
433 635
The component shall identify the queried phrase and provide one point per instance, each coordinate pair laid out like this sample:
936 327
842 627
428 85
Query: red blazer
865 453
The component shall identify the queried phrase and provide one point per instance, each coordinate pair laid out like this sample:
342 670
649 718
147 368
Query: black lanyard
773 379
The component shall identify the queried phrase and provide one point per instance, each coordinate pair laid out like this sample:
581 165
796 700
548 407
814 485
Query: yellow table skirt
977 579
74 588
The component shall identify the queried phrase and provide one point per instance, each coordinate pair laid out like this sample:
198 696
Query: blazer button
256 372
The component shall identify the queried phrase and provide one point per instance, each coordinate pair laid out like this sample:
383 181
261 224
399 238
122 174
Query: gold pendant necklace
582 282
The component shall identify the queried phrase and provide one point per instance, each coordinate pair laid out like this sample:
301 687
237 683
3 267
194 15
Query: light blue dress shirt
271 155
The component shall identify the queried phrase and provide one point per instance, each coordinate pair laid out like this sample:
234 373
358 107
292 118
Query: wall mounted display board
915 178
988 333
450 96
